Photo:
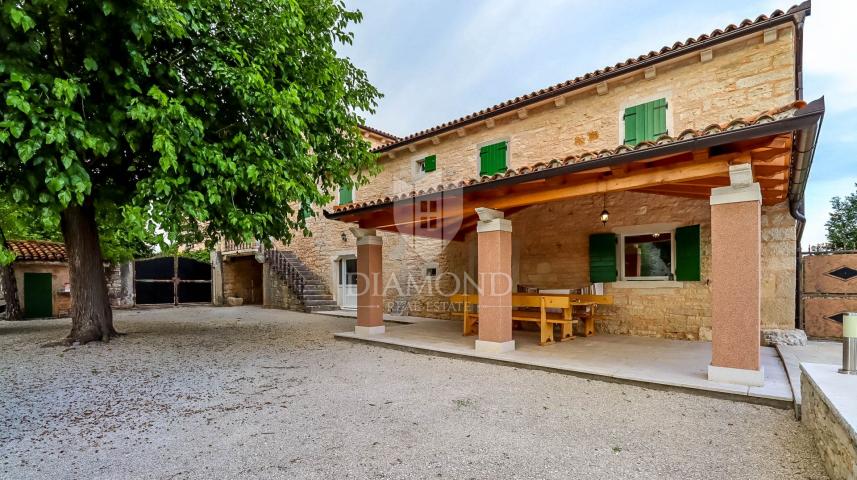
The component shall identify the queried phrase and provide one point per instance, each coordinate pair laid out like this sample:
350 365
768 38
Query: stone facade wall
120 285
550 242
552 252
279 295
838 447
242 277
742 79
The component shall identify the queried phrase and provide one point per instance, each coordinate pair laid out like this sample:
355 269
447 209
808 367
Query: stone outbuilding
44 284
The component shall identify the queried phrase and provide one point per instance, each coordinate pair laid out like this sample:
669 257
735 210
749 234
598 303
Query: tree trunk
10 293
10 288
91 315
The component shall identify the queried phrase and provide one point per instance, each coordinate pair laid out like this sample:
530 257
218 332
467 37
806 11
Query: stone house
673 182
44 284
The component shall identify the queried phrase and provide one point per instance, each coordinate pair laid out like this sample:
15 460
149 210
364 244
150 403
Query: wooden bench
546 320
589 315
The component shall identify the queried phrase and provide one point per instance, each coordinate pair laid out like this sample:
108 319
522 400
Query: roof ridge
571 84
379 132
20 240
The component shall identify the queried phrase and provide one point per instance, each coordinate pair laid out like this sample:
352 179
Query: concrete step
321 308
315 303
319 296
315 288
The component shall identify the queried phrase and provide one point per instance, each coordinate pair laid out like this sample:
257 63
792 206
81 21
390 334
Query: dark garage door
172 280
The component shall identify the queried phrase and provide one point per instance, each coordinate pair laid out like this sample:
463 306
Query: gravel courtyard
201 392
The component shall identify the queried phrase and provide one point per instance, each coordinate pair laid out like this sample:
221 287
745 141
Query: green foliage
195 118
842 224
23 221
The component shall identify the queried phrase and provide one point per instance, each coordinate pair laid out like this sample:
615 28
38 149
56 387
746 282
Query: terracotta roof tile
568 85
738 123
380 132
36 250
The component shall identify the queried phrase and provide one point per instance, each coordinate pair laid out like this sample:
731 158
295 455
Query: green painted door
37 295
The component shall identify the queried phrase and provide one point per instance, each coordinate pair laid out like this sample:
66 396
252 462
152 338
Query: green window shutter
659 118
687 254
631 126
500 158
430 163
644 122
346 195
602 257
492 159
484 159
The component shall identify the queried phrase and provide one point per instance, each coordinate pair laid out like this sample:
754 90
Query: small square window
428 206
425 165
431 271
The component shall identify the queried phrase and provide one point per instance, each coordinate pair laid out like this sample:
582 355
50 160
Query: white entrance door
348 283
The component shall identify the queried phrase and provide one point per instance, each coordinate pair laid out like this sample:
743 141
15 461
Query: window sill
647 284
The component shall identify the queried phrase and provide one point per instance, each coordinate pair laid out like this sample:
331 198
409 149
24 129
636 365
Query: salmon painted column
370 283
736 236
495 282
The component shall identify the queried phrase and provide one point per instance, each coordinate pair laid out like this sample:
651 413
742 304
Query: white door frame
346 294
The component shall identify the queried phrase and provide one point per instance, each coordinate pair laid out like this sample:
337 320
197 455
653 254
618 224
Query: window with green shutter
346 195
687 254
429 164
602 257
492 158
644 122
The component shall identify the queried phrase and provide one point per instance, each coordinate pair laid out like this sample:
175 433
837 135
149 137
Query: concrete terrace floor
246 392
650 361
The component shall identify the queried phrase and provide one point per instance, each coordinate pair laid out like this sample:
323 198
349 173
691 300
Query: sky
438 60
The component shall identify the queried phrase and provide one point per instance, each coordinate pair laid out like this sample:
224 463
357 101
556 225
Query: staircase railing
230 246
287 271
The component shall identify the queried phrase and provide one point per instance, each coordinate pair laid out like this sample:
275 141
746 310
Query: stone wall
120 285
553 247
242 277
835 440
278 294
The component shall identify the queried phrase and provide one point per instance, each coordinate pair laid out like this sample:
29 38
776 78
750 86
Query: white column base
483 346
359 330
738 376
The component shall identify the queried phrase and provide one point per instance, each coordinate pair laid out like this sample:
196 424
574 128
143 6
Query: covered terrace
738 167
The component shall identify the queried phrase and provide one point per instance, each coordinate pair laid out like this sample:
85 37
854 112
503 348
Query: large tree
197 118
842 224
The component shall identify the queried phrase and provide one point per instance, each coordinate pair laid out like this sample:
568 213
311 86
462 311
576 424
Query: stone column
495 282
370 283
217 278
736 249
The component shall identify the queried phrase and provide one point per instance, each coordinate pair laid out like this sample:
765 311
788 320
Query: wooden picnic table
553 309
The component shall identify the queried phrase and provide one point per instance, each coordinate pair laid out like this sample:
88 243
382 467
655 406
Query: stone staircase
310 290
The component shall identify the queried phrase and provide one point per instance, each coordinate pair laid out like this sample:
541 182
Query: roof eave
804 118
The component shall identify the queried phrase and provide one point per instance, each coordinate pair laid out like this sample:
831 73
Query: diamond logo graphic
838 318
843 273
